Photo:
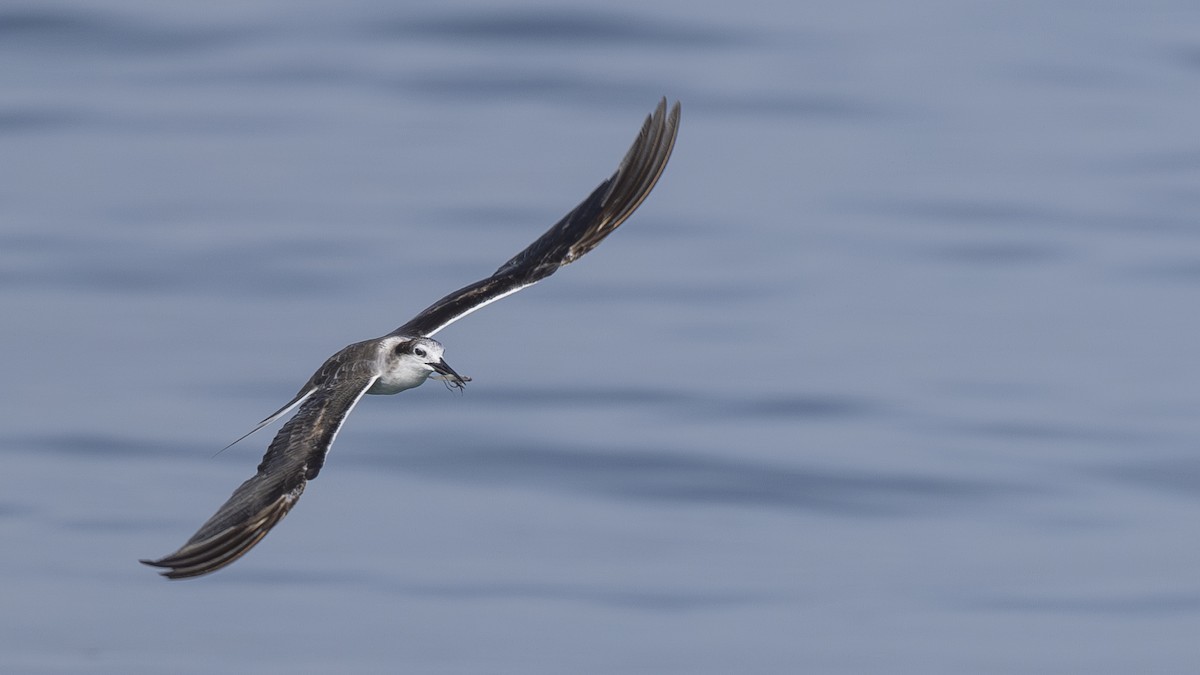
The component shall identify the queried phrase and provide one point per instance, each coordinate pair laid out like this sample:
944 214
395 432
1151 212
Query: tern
405 358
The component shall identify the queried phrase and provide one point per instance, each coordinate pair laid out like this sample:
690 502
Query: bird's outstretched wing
578 232
294 458
298 451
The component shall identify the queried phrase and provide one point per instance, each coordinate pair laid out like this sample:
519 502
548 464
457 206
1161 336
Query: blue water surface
894 372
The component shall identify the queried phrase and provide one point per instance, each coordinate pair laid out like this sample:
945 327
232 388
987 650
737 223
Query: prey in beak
446 374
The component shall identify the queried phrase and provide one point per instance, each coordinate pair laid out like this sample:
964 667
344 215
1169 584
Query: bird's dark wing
294 458
578 232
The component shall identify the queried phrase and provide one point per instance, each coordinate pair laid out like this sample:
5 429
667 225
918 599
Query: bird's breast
394 383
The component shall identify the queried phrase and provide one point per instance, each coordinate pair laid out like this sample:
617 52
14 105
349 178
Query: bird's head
409 361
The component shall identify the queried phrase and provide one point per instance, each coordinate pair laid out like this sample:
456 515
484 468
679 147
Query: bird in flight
405 358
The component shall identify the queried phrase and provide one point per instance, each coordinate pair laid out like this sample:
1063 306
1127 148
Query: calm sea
895 372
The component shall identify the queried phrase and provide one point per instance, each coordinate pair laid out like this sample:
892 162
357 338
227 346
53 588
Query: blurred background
895 371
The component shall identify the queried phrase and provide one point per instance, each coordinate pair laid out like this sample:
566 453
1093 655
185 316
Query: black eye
419 351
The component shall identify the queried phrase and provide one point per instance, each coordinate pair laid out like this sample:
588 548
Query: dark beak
447 373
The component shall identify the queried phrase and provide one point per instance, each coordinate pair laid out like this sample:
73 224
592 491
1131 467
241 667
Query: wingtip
660 111
164 569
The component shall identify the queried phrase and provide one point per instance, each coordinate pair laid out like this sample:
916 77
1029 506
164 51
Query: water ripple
671 477
26 120
812 406
556 28
998 253
557 86
107 446
77 30
1149 603
1179 475
650 599
267 267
